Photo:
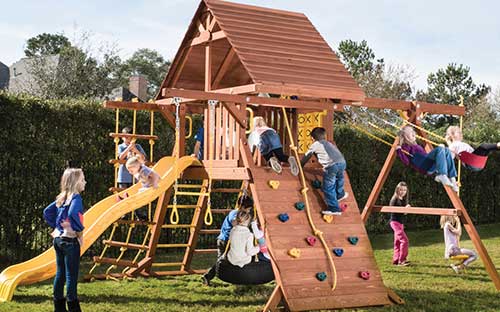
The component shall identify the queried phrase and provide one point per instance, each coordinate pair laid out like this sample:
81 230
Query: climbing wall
300 277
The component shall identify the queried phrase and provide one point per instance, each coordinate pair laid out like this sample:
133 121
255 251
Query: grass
428 285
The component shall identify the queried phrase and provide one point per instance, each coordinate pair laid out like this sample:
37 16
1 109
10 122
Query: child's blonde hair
259 121
70 184
453 133
243 216
133 161
404 136
395 196
453 220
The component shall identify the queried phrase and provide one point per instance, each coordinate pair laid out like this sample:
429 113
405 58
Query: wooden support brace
417 210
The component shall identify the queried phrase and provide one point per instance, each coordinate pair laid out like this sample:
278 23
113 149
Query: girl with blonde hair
65 215
269 145
401 242
452 230
439 160
454 139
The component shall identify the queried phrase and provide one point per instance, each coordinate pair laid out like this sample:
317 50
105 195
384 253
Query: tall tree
149 63
447 85
46 44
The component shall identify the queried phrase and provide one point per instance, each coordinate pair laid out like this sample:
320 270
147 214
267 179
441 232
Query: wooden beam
168 115
424 107
446 109
208 68
274 300
223 68
206 37
238 115
239 173
417 210
249 88
131 105
178 72
264 101
310 91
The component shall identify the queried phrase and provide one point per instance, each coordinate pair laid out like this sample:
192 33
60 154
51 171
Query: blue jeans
333 185
443 161
68 265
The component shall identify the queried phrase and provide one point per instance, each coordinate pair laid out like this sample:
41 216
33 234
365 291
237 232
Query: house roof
280 51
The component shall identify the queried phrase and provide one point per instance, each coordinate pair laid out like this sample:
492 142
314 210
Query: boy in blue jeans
334 165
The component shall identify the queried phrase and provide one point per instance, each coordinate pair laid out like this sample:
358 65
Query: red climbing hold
343 207
364 275
311 240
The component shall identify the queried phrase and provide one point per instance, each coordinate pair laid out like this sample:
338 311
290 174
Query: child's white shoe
344 197
443 179
275 164
331 213
455 268
294 167
454 185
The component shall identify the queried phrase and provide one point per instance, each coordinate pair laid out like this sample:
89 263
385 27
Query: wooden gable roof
279 51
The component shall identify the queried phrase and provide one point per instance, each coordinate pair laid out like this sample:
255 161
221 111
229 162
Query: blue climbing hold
353 240
300 206
316 184
283 217
321 276
338 252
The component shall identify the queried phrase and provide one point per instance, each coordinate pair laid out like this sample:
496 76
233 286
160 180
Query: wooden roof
279 51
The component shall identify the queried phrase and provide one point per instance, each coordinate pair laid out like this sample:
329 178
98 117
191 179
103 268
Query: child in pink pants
400 198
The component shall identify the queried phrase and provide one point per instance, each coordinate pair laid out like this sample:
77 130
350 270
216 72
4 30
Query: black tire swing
254 273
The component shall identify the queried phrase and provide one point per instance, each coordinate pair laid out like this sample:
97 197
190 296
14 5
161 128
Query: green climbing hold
300 206
316 184
321 276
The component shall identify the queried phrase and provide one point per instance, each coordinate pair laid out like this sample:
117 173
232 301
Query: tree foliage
46 44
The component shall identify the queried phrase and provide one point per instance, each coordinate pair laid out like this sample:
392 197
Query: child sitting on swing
269 144
452 231
454 139
442 161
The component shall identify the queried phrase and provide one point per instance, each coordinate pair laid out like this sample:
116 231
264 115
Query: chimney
138 85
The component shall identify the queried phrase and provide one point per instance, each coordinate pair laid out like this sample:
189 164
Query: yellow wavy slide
97 219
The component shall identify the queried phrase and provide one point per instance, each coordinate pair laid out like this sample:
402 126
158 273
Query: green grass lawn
428 285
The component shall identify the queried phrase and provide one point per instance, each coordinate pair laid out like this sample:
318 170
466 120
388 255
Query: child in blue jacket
65 215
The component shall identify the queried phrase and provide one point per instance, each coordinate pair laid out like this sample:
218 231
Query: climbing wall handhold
364 275
300 206
294 252
338 252
311 240
274 184
353 240
316 184
283 217
321 276
328 218
343 207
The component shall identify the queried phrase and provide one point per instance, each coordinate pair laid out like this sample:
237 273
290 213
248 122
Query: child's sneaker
454 185
120 198
331 213
404 263
455 268
443 179
205 280
345 196
294 167
275 164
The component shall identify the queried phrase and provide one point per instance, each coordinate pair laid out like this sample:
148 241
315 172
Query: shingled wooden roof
279 51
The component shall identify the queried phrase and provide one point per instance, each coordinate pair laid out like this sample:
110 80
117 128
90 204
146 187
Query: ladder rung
189 186
209 231
123 244
124 161
172 245
116 189
122 263
184 206
133 136
225 190
167 264
177 226
205 251
182 193
221 210
136 222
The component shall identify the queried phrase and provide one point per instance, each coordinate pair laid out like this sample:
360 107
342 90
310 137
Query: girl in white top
454 139
242 247
452 230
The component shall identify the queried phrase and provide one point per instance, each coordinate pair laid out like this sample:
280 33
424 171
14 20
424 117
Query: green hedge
38 136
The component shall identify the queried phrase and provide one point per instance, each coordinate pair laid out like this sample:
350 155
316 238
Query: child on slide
147 176
269 144
452 231
443 164
454 139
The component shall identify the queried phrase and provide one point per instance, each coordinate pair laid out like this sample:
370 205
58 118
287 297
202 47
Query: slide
97 219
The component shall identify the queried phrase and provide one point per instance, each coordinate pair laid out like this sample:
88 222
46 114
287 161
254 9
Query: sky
424 35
